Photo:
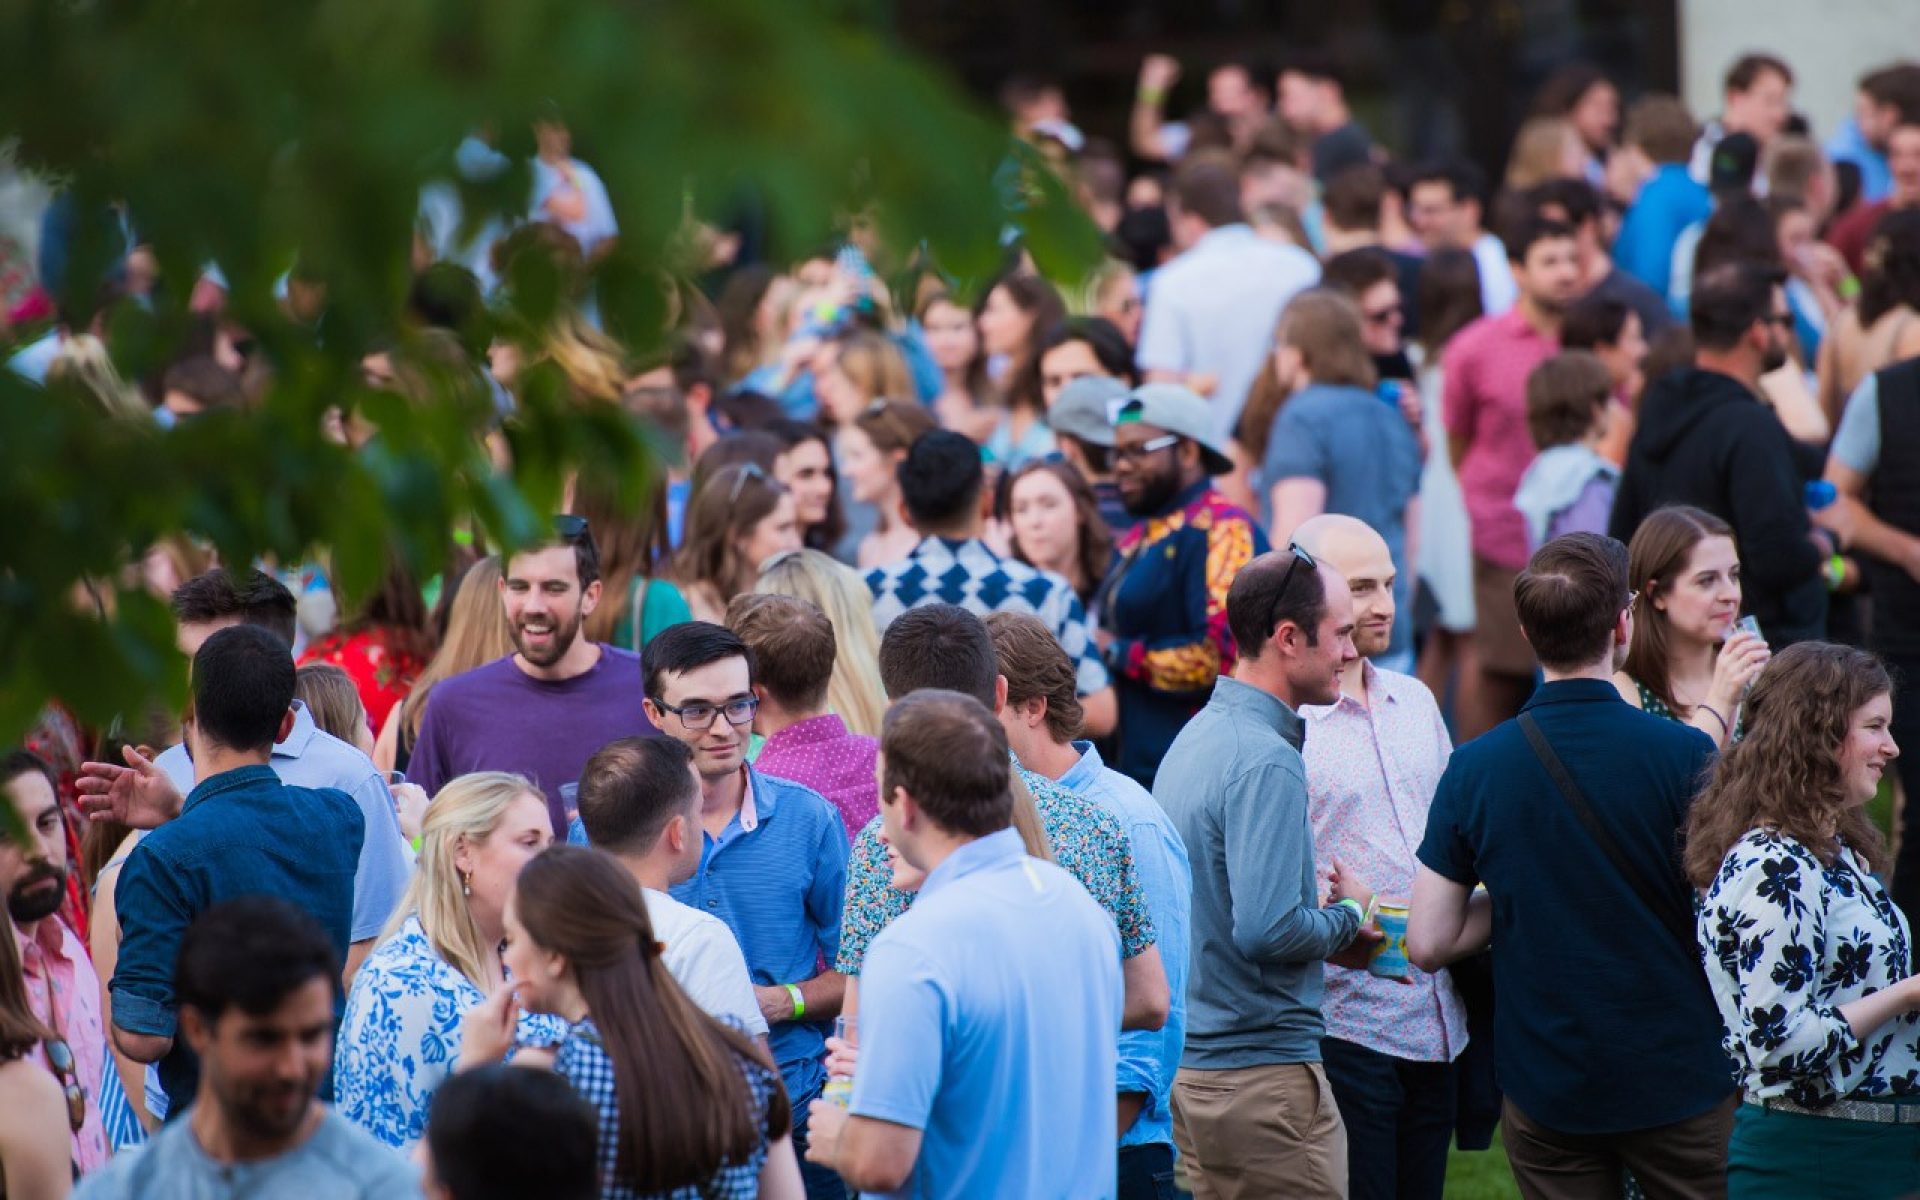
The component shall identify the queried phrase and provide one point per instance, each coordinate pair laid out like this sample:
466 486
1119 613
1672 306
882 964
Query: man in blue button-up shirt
774 861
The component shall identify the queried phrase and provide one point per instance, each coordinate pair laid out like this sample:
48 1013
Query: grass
1480 1175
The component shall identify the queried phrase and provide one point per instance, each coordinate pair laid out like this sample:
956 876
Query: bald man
1374 757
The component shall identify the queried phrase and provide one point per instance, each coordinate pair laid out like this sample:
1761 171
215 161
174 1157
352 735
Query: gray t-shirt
1857 442
340 1161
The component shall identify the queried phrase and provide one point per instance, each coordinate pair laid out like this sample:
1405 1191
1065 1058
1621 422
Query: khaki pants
1686 1160
1260 1132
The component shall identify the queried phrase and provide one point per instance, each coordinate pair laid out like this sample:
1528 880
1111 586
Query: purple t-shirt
499 718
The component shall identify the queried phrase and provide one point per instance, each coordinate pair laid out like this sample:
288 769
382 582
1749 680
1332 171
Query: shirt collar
958 549
1573 691
977 855
1266 707
49 936
300 735
1187 497
1083 775
227 781
1222 234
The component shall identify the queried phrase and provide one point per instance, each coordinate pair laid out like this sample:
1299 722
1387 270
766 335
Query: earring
466 883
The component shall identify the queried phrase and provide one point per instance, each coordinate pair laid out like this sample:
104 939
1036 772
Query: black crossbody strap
1659 903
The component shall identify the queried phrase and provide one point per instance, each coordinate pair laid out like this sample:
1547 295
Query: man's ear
999 692
286 726
196 1029
590 598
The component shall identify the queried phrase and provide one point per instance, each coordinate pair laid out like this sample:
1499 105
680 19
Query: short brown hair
1570 597
1352 197
1565 395
1661 126
950 754
793 646
1036 667
1324 326
1207 185
1748 68
893 425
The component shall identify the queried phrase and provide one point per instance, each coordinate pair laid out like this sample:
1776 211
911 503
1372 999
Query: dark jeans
822 1183
1399 1119
1906 724
1686 1160
1146 1172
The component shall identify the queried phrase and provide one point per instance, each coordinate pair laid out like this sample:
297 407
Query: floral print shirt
1087 839
1786 941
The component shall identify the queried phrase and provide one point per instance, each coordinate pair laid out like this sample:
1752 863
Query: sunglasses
1383 316
1145 449
747 471
60 1058
1286 580
569 527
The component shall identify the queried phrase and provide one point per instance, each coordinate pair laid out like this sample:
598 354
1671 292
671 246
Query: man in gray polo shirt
1236 788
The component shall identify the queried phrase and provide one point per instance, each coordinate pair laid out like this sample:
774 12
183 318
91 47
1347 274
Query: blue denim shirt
240 833
777 875
1148 1058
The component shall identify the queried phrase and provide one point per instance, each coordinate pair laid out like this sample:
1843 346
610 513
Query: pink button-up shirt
1371 772
64 993
1485 402
820 753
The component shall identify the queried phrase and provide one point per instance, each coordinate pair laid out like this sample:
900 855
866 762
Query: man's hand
1360 950
826 1121
1158 74
843 1057
410 805
138 794
1841 518
776 1003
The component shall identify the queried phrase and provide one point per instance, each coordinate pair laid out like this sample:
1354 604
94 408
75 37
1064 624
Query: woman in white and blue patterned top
1809 961
690 1108
400 1036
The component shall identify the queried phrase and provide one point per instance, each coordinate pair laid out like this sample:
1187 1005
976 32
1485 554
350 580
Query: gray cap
1180 410
1084 409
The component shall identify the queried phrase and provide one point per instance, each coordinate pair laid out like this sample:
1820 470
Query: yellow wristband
799 1001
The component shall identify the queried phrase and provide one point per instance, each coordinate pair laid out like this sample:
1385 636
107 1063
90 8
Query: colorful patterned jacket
1166 608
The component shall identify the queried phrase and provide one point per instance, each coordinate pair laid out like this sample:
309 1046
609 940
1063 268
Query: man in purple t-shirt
543 710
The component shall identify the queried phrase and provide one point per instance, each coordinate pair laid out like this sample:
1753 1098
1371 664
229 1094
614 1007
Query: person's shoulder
140 1170
795 797
353 1154
456 689
25 1086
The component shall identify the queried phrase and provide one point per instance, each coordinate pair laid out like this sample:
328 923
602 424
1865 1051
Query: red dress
381 674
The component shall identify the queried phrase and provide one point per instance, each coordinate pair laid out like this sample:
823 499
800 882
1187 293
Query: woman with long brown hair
1013 316
1807 957
35 1153
738 519
383 646
1687 661
685 1100
1057 526
476 635
870 449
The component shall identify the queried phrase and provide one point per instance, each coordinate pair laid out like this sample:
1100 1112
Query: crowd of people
1384 657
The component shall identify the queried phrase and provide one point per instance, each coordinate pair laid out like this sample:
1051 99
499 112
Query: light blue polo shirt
1149 1058
313 758
989 1017
777 875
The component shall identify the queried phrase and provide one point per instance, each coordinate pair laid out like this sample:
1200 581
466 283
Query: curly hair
1786 772
1892 261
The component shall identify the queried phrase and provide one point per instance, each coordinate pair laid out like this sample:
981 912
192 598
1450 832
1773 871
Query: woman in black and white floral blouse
1808 959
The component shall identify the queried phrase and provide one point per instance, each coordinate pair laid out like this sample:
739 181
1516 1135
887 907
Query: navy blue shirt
240 833
1605 1022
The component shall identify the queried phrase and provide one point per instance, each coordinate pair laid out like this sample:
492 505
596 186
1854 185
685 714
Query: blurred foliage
254 135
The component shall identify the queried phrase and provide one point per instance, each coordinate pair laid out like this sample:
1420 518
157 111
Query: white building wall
1829 44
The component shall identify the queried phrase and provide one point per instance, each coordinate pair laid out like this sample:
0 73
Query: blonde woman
440 955
476 635
837 590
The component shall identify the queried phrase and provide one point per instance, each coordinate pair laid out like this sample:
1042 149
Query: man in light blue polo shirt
773 862
990 1010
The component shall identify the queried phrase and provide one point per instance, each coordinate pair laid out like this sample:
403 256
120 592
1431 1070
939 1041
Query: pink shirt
1485 401
819 753
1371 773
57 968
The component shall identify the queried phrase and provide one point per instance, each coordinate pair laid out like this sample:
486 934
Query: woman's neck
1689 669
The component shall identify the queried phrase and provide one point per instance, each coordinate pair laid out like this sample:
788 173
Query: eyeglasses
1384 316
1299 556
60 1058
698 716
569 527
747 471
1783 320
1144 449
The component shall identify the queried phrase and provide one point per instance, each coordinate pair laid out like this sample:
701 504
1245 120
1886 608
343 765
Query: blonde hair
875 367
83 360
594 364
467 810
1539 151
854 691
476 635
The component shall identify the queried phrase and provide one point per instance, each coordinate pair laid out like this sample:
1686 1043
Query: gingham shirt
969 574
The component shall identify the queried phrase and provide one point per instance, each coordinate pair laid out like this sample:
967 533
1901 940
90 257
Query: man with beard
543 710
1165 636
773 862
258 984
1485 407
1374 757
1706 438
62 989
1570 816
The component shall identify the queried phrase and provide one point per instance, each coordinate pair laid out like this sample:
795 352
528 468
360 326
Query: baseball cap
1180 410
1084 409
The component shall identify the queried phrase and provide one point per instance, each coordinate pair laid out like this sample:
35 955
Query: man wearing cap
1081 418
1164 631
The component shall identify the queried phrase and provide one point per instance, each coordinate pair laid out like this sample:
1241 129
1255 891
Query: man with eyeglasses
1164 633
1707 439
773 860
544 709
62 990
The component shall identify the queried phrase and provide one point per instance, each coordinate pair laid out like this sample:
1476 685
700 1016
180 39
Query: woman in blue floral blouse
440 956
1808 959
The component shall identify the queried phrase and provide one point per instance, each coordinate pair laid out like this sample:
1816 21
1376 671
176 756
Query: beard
1774 358
1156 492
563 630
27 906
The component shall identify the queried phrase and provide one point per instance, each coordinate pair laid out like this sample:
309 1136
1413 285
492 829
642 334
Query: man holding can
1374 757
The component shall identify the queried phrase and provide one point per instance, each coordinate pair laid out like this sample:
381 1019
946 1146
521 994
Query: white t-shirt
705 959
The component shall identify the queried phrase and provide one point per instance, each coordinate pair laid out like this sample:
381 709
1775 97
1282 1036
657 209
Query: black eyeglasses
60 1058
747 471
1783 320
1383 316
1286 579
698 716
569 527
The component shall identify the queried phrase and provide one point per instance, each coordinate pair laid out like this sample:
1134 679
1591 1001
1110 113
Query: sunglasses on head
1286 580
747 471
569 527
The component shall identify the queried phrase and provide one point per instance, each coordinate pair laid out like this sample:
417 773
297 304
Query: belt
1878 1112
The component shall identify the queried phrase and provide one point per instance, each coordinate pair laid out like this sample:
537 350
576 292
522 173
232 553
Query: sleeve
398 1042
600 223
1069 625
428 764
1296 449
872 902
154 914
1857 442
826 896
1104 865
1768 907
380 880
1444 849
716 978
1190 659
1268 851
903 1008
1769 515
1162 342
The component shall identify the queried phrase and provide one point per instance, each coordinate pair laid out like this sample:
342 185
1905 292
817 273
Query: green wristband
799 1001
1353 906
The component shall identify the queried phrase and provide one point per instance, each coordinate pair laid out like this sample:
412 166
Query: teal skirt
1791 1156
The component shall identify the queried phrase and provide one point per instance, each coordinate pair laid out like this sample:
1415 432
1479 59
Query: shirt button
713 904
